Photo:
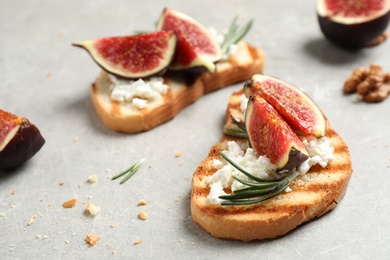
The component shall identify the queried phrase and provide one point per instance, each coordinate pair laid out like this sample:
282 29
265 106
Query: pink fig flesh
135 56
271 136
196 46
19 140
296 108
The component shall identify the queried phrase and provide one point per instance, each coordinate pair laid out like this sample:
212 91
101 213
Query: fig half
296 108
196 46
135 56
353 24
19 140
271 136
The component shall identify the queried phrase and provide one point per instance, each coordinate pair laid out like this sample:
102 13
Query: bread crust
312 195
121 117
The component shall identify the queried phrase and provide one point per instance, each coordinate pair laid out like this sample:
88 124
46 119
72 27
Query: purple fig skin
25 144
353 36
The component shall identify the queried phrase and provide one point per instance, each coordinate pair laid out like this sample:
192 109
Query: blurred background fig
134 56
19 140
353 24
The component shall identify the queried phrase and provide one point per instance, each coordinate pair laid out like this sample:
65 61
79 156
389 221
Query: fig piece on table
271 136
294 105
134 56
196 46
353 24
19 140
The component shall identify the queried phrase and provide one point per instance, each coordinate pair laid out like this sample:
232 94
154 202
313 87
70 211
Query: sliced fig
271 136
296 108
19 140
353 24
135 56
196 46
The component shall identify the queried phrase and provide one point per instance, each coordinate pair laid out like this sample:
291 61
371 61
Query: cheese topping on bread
320 152
137 92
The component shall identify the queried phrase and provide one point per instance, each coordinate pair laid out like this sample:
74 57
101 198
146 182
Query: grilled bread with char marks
123 117
311 196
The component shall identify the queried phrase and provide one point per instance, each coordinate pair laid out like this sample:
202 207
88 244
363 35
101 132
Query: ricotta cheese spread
138 92
320 152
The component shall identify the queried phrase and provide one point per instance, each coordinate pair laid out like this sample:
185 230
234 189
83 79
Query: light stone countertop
47 80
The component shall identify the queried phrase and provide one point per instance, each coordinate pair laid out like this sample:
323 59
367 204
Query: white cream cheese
320 152
138 92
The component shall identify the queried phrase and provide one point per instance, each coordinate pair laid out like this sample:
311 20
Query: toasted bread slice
312 194
123 117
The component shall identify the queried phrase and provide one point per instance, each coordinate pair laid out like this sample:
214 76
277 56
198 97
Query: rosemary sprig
234 34
131 171
238 130
258 189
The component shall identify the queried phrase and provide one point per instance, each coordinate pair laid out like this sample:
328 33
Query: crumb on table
92 178
143 215
92 239
92 209
69 203
142 203
137 242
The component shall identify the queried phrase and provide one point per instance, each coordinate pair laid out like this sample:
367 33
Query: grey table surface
47 80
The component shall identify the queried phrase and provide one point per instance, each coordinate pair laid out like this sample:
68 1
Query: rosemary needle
235 34
238 130
258 189
131 171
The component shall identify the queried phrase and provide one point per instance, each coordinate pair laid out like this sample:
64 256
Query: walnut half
372 85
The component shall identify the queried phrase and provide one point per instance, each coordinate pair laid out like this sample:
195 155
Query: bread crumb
143 215
92 239
13 192
69 203
2 214
92 178
142 203
178 154
61 183
41 237
112 226
137 242
31 221
92 209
